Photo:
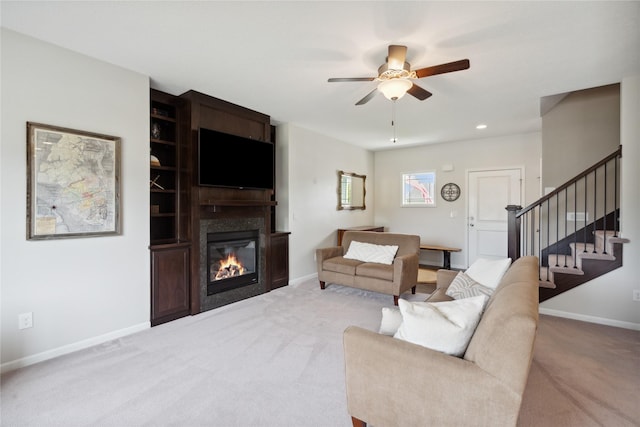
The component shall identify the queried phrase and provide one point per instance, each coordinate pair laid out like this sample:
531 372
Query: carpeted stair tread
546 278
590 251
563 264
595 255
546 284
610 234
611 237
567 270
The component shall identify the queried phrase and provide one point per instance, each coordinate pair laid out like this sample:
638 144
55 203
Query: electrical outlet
636 294
25 320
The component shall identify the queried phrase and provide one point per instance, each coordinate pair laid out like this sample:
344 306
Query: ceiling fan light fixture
395 88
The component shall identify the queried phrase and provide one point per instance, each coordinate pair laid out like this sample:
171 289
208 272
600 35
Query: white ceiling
275 57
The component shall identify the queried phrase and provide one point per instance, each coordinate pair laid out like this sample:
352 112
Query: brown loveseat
391 382
393 279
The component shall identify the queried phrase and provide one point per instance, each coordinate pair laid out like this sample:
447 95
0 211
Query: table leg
446 259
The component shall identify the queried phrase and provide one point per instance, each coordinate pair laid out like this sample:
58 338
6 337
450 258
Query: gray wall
308 210
80 291
446 224
578 132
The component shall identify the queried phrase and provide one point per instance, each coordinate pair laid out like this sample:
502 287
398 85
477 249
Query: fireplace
235 227
232 260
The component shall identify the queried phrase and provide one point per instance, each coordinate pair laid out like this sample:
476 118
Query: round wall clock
450 192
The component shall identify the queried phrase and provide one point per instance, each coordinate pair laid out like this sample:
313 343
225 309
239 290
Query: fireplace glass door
232 260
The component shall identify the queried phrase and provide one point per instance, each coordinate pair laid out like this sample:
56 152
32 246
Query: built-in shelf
161 117
237 203
170 244
169 209
162 141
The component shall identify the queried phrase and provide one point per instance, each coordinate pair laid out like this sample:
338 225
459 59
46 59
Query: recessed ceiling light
481 126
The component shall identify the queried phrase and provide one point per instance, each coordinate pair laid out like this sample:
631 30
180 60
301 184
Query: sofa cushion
391 321
443 326
375 270
464 286
407 243
341 265
487 271
369 252
439 295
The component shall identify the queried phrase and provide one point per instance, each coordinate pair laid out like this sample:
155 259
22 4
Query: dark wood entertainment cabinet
178 204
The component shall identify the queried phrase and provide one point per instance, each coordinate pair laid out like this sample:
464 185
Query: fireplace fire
229 267
232 260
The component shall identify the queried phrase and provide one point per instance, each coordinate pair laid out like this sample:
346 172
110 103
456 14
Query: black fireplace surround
231 225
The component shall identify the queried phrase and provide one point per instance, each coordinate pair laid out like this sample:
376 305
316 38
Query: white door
490 192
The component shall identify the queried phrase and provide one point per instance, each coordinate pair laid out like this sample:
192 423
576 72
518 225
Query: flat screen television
226 160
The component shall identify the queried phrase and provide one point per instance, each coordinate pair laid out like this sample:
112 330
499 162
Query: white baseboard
70 348
302 279
590 319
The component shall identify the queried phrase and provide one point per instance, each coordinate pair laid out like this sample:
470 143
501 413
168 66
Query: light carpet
277 360
272 360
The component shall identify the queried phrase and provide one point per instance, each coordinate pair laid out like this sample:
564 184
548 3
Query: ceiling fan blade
418 92
397 57
352 79
368 97
463 64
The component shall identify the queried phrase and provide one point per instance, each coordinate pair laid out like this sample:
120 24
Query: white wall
608 299
436 225
579 131
80 291
309 211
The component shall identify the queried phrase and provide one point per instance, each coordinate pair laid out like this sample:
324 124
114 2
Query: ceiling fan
395 76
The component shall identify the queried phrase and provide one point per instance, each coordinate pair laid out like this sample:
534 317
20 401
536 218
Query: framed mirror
351 191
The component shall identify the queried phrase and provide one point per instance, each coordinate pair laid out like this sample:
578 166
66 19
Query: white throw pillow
391 321
488 272
368 252
464 286
443 326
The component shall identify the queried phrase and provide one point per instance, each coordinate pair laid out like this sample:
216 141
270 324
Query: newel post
513 232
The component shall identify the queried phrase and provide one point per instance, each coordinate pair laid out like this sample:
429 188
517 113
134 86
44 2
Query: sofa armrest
394 382
405 272
326 253
330 252
444 278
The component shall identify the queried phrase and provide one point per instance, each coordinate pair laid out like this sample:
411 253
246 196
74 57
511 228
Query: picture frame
73 183
419 189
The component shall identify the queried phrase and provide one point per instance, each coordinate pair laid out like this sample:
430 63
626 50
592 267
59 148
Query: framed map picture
73 183
418 189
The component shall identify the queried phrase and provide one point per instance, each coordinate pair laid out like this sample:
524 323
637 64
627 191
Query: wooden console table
446 253
360 228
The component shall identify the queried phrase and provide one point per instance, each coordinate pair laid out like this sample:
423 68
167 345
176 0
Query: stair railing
569 214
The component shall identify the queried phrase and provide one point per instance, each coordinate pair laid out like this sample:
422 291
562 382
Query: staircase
559 229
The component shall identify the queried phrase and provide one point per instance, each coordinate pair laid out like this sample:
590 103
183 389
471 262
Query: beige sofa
391 382
393 279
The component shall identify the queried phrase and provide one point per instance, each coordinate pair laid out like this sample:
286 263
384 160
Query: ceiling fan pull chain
393 121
